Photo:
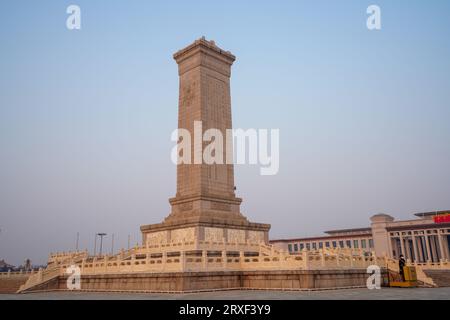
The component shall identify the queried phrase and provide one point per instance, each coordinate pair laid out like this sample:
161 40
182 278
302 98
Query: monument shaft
204 72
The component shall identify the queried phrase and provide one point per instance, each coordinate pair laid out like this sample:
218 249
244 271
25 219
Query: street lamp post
112 244
101 235
95 245
78 240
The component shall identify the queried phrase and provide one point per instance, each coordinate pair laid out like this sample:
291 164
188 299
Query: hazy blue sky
86 116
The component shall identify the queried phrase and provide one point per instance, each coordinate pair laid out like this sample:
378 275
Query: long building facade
421 240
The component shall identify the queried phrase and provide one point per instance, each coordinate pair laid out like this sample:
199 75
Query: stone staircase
441 278
41 277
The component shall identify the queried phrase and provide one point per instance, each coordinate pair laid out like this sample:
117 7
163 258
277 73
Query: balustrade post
374 258
322 258
281 258
205 259
224 259
351 259
105 261
94 261
363 259
83 262
133 260
305 256
241 257
338 263
40 274
223 243
163 260
182 260
147 260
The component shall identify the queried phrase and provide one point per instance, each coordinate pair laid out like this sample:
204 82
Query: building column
441 246
428 248
416 253
420 248
446 249
434 254
394 246
402 246
390 253
407 249
398 247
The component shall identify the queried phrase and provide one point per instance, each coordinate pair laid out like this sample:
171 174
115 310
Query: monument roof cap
202 42
352 230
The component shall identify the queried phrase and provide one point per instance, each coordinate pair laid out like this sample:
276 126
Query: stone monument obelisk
205 207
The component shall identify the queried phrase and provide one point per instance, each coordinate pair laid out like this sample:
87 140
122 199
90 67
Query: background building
4 267
420 240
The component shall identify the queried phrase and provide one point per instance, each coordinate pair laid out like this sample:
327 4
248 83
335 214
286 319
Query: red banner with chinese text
442 218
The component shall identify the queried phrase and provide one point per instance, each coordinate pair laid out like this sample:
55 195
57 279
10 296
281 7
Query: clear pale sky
86 116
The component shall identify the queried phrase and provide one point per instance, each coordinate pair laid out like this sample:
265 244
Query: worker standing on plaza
401 265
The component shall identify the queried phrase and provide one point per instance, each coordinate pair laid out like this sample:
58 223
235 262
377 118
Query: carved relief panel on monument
156 238
182 235
256 236
236 236
213 234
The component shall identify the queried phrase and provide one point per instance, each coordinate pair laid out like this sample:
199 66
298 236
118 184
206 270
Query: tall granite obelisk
205 207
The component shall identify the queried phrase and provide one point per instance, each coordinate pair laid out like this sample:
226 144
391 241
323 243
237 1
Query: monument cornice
185 199
205 222
207 47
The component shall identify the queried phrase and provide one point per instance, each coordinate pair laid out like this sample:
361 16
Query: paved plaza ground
349 294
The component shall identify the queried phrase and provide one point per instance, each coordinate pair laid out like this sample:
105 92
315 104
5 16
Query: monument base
179 282
205 230
205 219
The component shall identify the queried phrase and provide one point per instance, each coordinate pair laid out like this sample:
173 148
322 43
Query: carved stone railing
67 257
143 261
12 274
208 256
443 264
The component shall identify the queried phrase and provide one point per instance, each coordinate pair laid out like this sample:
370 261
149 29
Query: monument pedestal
201 220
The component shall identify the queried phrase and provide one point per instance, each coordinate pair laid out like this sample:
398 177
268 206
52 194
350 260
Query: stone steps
440 277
